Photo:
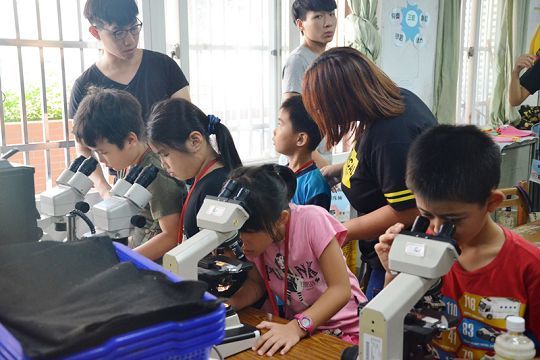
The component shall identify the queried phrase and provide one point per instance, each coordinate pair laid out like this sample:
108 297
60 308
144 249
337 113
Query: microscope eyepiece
133 173
76 163
88 166
421 224
147 175
228 189
242 195
447 230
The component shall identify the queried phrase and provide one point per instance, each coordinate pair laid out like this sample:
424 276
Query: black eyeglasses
121 34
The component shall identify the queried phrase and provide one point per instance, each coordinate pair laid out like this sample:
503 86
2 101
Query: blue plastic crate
190 339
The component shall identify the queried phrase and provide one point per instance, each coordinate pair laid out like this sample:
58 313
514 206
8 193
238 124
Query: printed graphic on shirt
482 320
300 278
349 168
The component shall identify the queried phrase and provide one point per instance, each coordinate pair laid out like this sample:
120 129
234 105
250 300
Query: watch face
306 322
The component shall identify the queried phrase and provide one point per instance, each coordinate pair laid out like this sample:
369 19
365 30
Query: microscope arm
219 221
183 259
420 261
382 318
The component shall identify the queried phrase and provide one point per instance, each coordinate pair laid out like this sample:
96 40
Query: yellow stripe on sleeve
397 193
404 198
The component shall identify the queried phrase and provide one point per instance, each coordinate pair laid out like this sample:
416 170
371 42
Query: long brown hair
345 91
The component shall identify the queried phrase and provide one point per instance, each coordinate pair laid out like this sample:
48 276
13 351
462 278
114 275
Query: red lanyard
285 277
305 166
199 177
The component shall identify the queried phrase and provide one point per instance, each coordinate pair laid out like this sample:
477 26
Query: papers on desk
508 133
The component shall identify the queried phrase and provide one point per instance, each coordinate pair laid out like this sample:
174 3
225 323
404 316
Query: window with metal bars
231 50
44 47
234 67
479 24
236 50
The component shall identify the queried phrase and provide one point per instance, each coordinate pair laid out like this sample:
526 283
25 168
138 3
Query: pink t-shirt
311 229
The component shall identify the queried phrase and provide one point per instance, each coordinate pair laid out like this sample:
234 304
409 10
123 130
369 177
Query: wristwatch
305 323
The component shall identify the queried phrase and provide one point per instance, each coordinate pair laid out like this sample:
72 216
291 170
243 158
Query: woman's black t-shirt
374 174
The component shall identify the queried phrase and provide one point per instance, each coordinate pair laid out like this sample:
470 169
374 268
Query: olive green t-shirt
168 195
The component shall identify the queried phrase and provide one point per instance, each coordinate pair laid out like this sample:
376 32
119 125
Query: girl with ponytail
179 132
296 250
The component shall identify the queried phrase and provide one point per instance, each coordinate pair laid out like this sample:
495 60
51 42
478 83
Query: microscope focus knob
82 206
138 221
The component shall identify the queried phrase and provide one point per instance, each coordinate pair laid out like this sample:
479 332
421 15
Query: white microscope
117 216
219 218
420 261
72 186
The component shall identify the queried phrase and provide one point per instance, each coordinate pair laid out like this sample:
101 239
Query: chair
516 198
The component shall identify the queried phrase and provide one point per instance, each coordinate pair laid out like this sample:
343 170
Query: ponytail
227 149
172 120
288 177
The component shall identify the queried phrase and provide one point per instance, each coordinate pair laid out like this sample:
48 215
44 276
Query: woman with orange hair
346 93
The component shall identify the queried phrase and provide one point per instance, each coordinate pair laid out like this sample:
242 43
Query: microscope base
238 336
238 339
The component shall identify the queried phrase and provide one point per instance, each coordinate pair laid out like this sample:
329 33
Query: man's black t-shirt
374 174
157 78
210 184
530 80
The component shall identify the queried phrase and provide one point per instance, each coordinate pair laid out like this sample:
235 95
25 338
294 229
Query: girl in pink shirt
319 292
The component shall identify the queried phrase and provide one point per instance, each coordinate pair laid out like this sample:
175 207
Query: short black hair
301 121
119 12
454 163
108 114
301 7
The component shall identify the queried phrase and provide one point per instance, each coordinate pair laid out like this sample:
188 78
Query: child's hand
385 242
279 336
332 174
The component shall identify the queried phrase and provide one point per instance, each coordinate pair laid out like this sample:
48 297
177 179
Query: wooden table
529 231
318 346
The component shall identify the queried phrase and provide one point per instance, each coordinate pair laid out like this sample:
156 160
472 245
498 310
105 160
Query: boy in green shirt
109 122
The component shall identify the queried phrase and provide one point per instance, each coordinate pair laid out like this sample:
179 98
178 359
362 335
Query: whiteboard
409 34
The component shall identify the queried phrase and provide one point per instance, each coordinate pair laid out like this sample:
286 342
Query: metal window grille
235 67
43 48
236 53
480 21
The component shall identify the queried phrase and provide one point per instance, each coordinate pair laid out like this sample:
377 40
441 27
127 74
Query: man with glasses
148 75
